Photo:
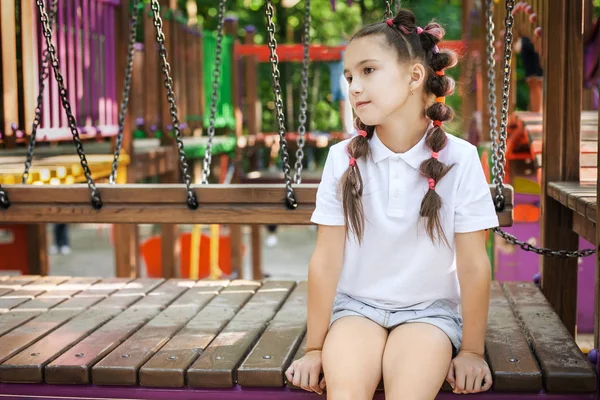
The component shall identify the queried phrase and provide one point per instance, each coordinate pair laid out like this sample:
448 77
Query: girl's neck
400 134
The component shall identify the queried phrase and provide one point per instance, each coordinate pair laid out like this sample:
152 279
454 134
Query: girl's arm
323 274
474 276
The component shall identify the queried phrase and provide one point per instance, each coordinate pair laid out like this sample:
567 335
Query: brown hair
411 44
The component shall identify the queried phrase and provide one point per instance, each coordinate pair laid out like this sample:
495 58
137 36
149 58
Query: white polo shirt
398 266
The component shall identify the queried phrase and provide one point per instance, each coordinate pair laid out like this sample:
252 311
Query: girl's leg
416 360
352 355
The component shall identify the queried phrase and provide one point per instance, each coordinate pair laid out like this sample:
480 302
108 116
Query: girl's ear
417 75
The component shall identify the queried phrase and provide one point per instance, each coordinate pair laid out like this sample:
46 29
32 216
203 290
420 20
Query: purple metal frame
25 391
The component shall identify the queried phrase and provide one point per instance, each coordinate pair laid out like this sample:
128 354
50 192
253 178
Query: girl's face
379 83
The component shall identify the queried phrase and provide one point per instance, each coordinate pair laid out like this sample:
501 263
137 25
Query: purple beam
71 48
110 70
94 50
236 393
87 62
79 54
54 96
101 82
62 55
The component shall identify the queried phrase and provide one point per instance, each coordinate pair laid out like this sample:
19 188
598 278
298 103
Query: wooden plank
299 354
216 366
513 367
28 365
564 367
266 363
562 53
584 228
12 320
164 294
8 36
121 366
29 62
73 367
39 304
165 203
26 334
167 368
17 281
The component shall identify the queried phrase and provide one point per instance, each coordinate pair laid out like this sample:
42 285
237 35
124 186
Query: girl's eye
349 79
368 70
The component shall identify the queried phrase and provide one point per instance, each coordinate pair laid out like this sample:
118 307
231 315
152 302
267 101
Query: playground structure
152 334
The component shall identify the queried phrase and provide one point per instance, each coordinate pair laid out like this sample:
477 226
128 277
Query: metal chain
303 96
216 74
126 90
490 51
274 59
388 9
499 160
95 194
192 201
44 74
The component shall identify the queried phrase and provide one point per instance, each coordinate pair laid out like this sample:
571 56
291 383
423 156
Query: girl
402 210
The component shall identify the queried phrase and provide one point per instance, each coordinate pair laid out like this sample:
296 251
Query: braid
351 183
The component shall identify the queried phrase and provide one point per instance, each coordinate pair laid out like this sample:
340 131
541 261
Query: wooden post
10 83
126 237
588 22
30 62
37 249
562 42
464 88
597 285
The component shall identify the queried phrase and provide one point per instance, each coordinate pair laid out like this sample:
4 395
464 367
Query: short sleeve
329 209
474 209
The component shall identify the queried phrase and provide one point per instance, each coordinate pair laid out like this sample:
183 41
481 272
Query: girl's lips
362 103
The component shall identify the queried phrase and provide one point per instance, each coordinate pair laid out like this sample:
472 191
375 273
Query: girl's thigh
352 357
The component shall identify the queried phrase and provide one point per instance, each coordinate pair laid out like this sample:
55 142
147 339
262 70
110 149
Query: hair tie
362 133
431 183
390 22
435 154
437 123
435 49
441 99
352 161
419 30
440 72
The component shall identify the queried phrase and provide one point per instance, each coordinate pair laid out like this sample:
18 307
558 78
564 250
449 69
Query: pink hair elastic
419 30
431 183
435 154
362 133
436 49
390 22
352 161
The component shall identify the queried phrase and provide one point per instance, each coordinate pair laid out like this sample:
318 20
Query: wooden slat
121 366
216 366
564 367
299 354
28 365
166 203
584 228
167 368
514 368
21 337
266 363
17 281
39 304
11 320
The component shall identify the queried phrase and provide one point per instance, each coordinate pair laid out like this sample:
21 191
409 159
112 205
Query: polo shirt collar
413 157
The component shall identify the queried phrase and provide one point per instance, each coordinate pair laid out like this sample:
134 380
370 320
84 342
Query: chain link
274 59
303 96
192 201
499 143
388 9
216 74
44 74
95 194
126 91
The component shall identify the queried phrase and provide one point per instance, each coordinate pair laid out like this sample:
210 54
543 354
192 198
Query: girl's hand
469 373
305 372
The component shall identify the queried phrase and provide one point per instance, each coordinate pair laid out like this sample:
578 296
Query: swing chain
126 91
499 162
388 9
274 59
44 74
216 74
96 198
303 95
490 51
192 200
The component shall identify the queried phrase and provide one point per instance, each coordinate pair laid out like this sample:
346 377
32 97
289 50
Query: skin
358 353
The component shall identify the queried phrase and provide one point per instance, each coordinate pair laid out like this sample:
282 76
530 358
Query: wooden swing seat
166 203
157 339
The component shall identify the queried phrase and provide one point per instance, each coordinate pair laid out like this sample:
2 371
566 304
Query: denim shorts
440 314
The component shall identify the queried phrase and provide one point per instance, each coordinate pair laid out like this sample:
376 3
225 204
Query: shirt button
396 194
397 176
